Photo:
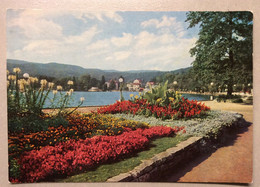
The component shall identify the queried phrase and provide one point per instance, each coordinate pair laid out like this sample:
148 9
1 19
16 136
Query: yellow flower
50 85
33 80
136 97
7 72
171 98
11 77
54 92
159 100
70 82
59 87
177 92
131 95
16 70
43 82
140 93
71 91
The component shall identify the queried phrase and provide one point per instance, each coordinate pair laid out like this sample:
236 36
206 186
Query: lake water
106 98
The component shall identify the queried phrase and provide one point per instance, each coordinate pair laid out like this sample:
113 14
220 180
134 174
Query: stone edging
150 168
153 168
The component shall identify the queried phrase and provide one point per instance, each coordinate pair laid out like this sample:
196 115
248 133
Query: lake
106 98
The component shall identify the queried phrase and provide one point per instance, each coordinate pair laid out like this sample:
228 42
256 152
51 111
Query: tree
112 85
223 52
102 83
85 82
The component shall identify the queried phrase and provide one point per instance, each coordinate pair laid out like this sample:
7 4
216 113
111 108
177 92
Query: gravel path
232 163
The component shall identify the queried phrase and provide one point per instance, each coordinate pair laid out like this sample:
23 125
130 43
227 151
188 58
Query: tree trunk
230 89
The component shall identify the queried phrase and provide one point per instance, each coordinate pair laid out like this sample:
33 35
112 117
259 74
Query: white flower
68 93
212 83
70 82
82 99
26 75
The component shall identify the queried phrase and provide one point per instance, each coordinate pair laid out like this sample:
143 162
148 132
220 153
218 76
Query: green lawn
106 171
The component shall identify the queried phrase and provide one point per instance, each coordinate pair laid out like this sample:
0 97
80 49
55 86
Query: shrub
232 98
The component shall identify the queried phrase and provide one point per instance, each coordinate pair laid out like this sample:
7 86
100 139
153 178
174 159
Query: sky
104 40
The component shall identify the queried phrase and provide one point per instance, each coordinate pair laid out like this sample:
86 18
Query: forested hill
58 70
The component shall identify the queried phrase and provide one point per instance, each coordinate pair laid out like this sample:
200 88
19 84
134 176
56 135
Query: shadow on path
174 175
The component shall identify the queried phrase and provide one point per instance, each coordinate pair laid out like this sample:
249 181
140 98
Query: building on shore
136 85
94 89
109 83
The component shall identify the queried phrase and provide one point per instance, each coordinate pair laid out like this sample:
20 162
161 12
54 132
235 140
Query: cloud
40 38
101 16
165 24
143 51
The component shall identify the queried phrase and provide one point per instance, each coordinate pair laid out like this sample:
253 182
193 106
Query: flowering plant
27 96
79 126
183 109
67 158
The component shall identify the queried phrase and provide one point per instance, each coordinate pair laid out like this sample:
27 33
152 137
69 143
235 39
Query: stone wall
156 167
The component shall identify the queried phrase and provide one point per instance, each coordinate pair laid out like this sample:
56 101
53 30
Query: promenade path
231 163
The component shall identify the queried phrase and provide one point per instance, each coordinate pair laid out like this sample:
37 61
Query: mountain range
58 70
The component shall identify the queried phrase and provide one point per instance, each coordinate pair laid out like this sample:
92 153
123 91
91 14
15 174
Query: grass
106 171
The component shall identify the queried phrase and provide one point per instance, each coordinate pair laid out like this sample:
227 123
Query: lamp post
121 80
175 85
212 91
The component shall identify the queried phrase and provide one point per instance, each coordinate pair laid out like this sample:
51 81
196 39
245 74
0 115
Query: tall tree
223 52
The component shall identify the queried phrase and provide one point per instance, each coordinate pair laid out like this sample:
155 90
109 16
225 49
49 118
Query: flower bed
67 158
182 109
79 127
207 126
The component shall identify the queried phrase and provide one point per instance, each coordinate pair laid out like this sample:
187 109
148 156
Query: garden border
154 168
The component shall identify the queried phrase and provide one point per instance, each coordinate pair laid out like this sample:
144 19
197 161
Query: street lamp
175 85
26 75
212 90
121 80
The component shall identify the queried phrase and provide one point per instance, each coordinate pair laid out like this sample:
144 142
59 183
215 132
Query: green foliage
26 101
161 96
230 98
14 169
106 171
223 52
60 71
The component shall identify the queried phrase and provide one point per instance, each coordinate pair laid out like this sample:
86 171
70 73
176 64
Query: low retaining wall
154 168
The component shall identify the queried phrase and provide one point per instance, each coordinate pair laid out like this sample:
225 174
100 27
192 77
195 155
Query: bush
232 98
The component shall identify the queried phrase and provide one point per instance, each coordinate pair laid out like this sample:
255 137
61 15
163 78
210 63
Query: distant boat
94 89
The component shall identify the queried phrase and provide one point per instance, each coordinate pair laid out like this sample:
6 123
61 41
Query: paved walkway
232 163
